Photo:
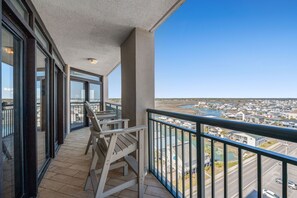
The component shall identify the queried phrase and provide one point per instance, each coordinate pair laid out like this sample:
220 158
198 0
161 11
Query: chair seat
123 142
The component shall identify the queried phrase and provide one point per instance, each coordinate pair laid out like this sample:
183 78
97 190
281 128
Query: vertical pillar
105 91
138 86
67 71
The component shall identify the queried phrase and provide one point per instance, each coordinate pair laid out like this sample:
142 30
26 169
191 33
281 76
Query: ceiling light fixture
8 50
92 60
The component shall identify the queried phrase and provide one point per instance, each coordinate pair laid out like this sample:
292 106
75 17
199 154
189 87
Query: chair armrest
123 131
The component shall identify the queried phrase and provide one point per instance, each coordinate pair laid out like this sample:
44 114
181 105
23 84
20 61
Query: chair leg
106 166
88 182
125 170
89 144
141 164
102 180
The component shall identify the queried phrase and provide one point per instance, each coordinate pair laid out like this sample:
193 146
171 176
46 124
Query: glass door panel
95 96
11 111
41 109
77 99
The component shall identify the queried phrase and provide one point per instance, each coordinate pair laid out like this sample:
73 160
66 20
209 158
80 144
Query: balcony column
138 84
105 91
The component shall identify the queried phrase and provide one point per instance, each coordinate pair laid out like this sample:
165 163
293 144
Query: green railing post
200 161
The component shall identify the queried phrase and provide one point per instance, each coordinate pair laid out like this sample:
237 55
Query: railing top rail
281 133
7 105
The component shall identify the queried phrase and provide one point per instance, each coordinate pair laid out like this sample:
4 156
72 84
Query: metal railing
7 120
117 108
177 140
78 115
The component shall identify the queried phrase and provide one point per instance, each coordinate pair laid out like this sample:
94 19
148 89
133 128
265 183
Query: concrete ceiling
96 28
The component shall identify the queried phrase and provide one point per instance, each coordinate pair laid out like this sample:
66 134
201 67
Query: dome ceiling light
93 60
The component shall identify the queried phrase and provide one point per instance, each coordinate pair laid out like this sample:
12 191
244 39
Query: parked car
269 194
279 180
292 185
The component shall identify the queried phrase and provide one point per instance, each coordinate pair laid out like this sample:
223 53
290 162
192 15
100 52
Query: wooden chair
101 115
110 146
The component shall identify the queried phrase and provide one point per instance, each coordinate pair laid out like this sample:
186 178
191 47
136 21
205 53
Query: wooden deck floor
68 171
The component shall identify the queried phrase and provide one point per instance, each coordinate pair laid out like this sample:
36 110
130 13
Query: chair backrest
92 116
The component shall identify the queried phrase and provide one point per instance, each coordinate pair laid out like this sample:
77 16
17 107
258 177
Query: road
270 171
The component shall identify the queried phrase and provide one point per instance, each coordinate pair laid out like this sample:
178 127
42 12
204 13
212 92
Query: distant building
289 123
255 119
291 115
249 139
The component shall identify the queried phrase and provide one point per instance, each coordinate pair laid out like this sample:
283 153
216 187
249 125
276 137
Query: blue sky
7 81
229 48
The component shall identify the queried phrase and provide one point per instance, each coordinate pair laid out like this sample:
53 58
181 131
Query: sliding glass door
11 75
42 91
84 86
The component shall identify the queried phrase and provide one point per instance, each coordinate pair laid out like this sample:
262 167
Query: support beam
138 83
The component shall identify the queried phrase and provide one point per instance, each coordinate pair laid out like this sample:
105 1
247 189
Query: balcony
173 154
47 45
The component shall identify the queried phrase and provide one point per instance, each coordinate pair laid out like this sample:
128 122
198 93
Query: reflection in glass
77 91
10 132
77 111
95 96
41 109
94 93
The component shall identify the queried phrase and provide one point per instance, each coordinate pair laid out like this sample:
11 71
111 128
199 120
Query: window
94 93
84 75
21 9
41 37
57 61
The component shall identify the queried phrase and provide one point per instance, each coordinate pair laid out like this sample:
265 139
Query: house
291 115
255 119
250 139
